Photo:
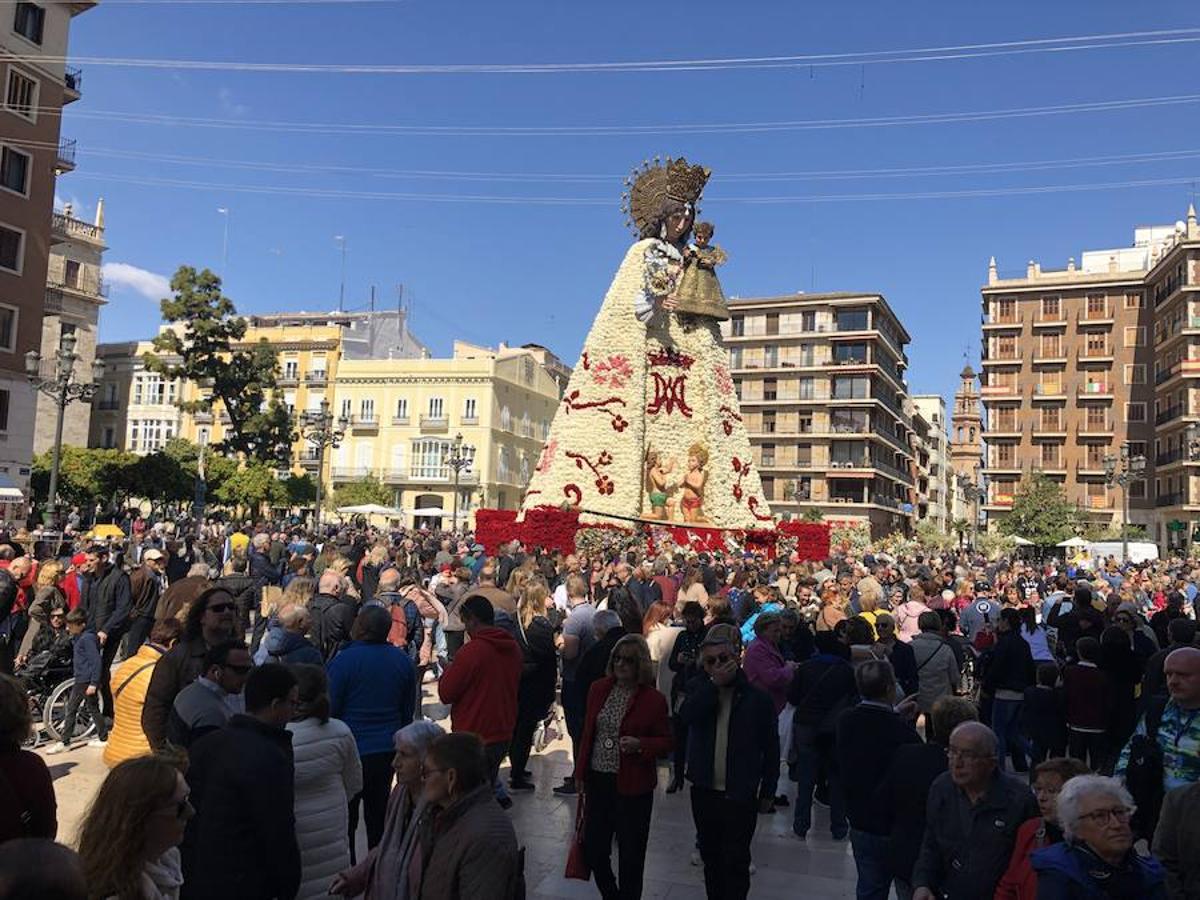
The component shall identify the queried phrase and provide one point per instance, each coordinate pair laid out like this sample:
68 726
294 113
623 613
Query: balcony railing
316 376
1095 427
73 79
434 423
1094 353
364 422
65 157
1169 372
289 379
1173 499
350 472
1006 427
1094 389
469 420
73 227
1166 415
1170 456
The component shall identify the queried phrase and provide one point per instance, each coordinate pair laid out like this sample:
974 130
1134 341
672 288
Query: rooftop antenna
372 298
341 241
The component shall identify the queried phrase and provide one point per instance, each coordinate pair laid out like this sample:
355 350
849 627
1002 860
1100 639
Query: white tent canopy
430 511
1074 542
1021 542
370 509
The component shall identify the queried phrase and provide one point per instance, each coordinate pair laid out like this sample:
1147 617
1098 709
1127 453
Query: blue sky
487 271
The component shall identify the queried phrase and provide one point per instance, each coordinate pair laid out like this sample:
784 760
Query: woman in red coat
625 731
1020 881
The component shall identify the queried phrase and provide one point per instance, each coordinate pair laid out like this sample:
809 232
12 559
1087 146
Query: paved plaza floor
817 868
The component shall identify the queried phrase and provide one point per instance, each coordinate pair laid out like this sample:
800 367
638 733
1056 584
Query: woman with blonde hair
833 608
870 596
129 839
298 592
535 694
47 597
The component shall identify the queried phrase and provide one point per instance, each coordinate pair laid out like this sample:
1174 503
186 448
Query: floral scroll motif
728 417
571 402
604 484
613 372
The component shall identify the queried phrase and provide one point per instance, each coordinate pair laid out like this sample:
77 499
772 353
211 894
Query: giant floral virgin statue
649 428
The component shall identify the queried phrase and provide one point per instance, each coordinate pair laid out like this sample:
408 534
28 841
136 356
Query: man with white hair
972 816
1097 858
332 614
261 566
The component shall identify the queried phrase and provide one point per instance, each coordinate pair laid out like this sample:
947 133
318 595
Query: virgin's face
679 223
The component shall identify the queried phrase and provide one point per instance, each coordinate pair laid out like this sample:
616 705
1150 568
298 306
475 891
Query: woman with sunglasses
625 731
129 839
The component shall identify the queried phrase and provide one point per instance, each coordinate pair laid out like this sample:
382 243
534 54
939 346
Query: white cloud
230 106
150 285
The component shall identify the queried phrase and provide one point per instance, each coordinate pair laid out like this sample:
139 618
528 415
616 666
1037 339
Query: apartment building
36 85
1069 375
75 292
939 477
820 380
404 417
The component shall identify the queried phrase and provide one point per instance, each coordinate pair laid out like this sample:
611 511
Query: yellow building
404 416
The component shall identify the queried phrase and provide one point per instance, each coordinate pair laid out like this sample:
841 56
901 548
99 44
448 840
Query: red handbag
577 866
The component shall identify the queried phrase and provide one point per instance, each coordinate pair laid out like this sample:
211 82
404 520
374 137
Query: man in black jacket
332 615
733 762
821 688
242 841
146 584
108 603
1008 672
246 591
868 734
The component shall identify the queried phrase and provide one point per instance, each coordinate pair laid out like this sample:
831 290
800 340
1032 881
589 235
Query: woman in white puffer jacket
328 774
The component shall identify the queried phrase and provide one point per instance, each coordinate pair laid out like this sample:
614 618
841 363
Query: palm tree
960 527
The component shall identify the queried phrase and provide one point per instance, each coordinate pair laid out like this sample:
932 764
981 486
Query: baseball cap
152 554
983 587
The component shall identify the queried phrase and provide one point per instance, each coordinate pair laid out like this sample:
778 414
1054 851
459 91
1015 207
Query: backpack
1144 772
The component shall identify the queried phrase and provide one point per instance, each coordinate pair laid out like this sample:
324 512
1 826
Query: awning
9 492
433 511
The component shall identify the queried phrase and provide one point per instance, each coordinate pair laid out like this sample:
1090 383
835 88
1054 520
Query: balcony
316 378
400 420
349 473
1167 373
64 157
1094 390
72 84
1096 502
309 462
435 423
1095 429
1002 323
997 465
1169 457
1086 318
1049 428
68 227
1175 499
1000 392
1050 356
289 378
999 501
1056 320
1007 359
1049 392
469 420
1166 415
366 422
1008 428
203 418
1094 355
108 405
1090 468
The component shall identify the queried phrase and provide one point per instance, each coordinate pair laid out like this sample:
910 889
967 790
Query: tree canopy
356 493
1040 512
243 381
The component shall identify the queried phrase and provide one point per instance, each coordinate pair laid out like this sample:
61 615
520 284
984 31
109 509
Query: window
1051 346
735 358
1006 309
14 170
8 328
770 389
402 408
768 455
1051 456
1097 344
505 418
1137 448
1051 309
1137 489
1135 336
1097 306
808 321
1097 418
110 438
1006 347
366 410
851 388
437 408
770 357
12 246
29 21
1135 412
529 369
22 94
71 273
346 407
805 423
291 369
737 326
853 320
1005 455
1133 301
844 354
1135 373
772 323
469 409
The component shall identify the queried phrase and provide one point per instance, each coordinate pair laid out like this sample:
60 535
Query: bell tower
966 426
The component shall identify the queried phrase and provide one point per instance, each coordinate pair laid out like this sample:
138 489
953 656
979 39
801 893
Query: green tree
812 514
85 475
928 534
217 468
249 487
356 493
960 527
243 381
992 544
299 490
1040 512
163 480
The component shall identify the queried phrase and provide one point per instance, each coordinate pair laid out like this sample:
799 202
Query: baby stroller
47 679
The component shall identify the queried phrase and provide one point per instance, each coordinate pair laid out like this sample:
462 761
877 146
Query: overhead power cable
347 128
1067 44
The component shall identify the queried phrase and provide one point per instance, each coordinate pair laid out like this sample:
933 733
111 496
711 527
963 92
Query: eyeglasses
720 660
219 607
1102 816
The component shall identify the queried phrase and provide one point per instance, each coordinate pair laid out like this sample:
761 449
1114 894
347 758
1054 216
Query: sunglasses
219 607
720 660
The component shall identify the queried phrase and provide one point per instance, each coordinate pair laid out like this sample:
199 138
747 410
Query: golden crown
653 183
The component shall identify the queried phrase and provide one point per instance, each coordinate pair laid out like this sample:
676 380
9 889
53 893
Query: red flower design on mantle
604 484
613 372
572 403
728 417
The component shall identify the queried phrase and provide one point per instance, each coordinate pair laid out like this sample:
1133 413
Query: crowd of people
970 727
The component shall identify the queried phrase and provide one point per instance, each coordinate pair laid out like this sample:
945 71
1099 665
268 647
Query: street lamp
63 388
1122 470
457 460
318 429
972 493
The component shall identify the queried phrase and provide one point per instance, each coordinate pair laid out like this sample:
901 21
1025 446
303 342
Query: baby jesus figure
699 291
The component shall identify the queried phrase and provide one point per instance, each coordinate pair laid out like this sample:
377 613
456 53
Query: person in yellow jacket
129 682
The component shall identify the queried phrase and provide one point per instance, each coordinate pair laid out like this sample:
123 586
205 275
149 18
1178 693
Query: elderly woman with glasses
1096 859
626 729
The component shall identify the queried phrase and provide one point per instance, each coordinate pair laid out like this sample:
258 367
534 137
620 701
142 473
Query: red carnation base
554 528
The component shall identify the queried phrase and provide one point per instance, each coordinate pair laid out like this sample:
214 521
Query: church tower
966 427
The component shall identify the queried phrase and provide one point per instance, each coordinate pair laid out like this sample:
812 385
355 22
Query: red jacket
645 718
481 685
1019 882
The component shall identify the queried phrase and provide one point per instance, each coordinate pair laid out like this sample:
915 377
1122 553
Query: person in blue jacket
87 669
1096 859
